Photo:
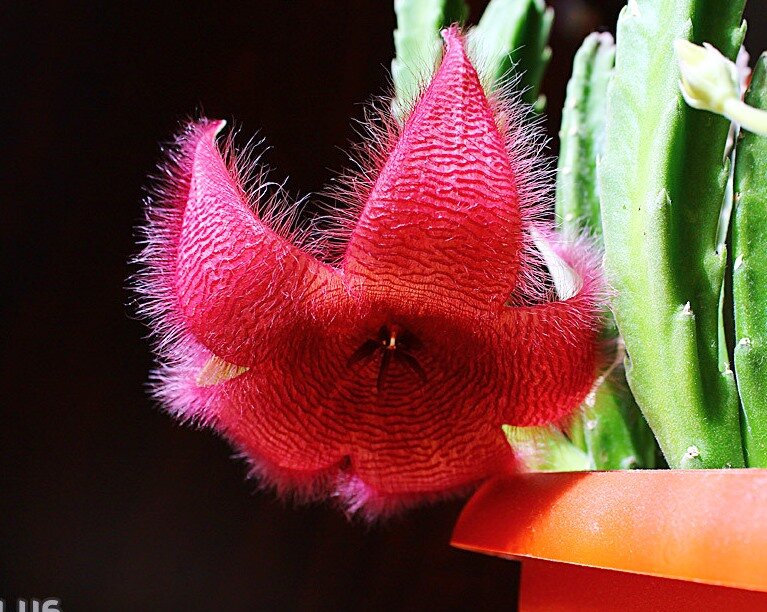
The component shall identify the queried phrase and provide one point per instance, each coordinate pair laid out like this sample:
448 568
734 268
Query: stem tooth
691 458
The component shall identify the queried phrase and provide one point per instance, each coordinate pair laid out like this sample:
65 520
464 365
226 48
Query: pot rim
707 526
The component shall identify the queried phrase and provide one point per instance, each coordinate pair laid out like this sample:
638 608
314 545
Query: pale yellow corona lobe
217 370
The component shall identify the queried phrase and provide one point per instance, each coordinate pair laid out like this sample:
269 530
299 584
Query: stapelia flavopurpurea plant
381 378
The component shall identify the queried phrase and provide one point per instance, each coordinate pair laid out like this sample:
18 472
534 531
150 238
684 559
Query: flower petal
240 285
442 224
553 357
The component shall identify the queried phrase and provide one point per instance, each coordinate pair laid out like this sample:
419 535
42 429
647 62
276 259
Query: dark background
106 502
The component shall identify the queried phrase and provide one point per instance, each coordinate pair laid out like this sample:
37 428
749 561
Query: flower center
395 344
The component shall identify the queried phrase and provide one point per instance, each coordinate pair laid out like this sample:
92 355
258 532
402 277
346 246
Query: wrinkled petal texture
442 223
382 381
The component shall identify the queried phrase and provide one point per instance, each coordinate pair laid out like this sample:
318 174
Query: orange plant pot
633 540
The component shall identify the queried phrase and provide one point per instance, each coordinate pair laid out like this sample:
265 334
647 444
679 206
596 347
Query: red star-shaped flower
384 379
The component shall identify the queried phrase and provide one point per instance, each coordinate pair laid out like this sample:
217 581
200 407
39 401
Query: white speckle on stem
629 463
692 452
738 262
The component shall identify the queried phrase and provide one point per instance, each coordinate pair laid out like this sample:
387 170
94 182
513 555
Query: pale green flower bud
710 82
709 79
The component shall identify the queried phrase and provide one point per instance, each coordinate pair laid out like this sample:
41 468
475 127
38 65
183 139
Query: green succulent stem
617 436
662 184
582 135
512 38
418 46
609 426
749 272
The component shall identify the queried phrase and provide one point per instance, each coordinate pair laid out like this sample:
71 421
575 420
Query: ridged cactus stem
750 276
418 45
662 184
609 426
512 39
616 434
582 135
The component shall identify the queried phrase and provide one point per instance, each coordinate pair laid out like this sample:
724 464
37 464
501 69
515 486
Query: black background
108 503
